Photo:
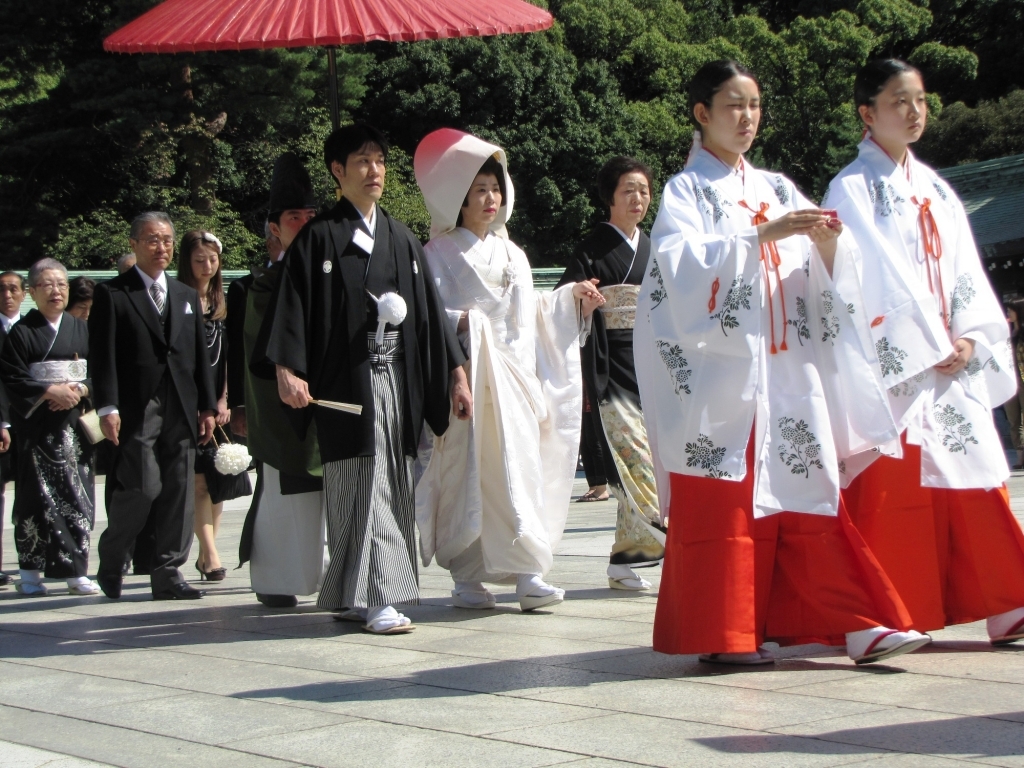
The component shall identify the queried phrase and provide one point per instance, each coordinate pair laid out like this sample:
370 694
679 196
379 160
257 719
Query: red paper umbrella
189 26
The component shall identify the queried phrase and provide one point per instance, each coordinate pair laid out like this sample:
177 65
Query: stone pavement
226 682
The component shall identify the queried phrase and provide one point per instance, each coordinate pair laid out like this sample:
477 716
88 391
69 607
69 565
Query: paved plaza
224 682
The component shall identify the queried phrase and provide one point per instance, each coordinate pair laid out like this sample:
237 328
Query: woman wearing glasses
43 368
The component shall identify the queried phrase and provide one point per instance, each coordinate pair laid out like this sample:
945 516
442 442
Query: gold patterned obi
619 309
59 371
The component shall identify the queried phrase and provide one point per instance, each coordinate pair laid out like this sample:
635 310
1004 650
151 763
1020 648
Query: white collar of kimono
371 221
875 155
446 163
56 324
633 242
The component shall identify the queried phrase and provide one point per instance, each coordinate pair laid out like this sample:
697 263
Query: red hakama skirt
955 556
730 582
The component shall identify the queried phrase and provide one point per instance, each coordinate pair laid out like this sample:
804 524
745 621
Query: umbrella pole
332 71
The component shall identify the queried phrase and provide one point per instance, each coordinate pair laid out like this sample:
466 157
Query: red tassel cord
771 261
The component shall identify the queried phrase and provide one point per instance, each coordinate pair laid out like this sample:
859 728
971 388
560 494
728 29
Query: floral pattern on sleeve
736 298
658 294
800 322
672 356
890 357
705 455
884 196
963 295
798 448
956 430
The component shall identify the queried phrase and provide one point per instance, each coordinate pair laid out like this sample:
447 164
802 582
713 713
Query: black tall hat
290 187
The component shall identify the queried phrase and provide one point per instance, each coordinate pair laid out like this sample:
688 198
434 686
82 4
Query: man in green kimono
283 538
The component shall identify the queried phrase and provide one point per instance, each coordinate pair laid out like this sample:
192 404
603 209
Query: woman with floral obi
44 370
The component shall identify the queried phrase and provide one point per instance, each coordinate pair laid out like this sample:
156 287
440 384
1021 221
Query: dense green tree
88 139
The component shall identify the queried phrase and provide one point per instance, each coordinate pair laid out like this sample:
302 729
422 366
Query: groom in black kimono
318 339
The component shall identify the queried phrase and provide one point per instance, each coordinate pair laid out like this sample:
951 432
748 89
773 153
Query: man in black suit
152 376
12 293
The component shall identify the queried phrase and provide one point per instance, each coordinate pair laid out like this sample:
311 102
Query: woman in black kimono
43 367
615 254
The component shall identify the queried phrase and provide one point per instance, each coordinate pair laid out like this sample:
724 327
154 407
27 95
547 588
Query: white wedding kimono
494 496
914 306
704 339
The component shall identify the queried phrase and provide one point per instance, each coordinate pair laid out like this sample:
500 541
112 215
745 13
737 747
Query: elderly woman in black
615 256
43 367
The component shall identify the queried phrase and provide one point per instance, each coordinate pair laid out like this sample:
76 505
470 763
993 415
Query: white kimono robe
703 342
494 496
914 307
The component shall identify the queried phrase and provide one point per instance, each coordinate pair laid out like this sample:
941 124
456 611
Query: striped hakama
370 509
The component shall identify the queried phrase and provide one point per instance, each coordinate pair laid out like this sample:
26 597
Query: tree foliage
88 139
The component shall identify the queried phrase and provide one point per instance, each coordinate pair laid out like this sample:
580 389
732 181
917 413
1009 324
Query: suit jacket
5 402
132 348
238 293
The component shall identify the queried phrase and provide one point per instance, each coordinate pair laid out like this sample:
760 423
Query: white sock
79 581
470 587
532 585
621 572
31 577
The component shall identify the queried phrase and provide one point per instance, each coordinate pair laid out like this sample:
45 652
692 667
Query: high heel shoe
217 574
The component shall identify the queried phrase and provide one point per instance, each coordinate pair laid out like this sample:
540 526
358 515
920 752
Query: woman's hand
963 349
62 397
586 292
462 398
793 223
463 325
825 238
223 415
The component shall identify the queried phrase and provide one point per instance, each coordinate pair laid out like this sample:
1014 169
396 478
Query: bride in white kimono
492 502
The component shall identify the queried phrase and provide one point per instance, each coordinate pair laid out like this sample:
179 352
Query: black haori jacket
318 319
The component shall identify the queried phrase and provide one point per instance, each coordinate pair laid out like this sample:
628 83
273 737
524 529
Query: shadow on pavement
994 735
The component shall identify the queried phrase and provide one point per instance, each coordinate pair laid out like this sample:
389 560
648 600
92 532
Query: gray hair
149 217
267 234
122 261
37 269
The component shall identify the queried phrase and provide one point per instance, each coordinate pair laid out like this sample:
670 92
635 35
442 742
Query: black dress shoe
178 591
110 584
277 601
5 580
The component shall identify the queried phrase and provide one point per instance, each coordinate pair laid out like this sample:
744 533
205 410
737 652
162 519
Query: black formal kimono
54 507
609 376
321 324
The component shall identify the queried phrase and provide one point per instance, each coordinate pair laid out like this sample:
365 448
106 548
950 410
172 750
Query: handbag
90 424
230 458
224 480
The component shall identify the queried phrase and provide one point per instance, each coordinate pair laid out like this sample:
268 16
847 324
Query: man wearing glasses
152 377
12 294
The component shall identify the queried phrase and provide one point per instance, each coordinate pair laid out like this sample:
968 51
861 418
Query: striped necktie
158 297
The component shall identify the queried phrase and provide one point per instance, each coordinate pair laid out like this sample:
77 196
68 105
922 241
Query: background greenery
89 139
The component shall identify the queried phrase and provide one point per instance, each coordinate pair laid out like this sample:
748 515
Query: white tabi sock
31 577
532 585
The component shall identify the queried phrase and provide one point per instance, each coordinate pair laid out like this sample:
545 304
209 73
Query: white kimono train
494 496
914 306
704 336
